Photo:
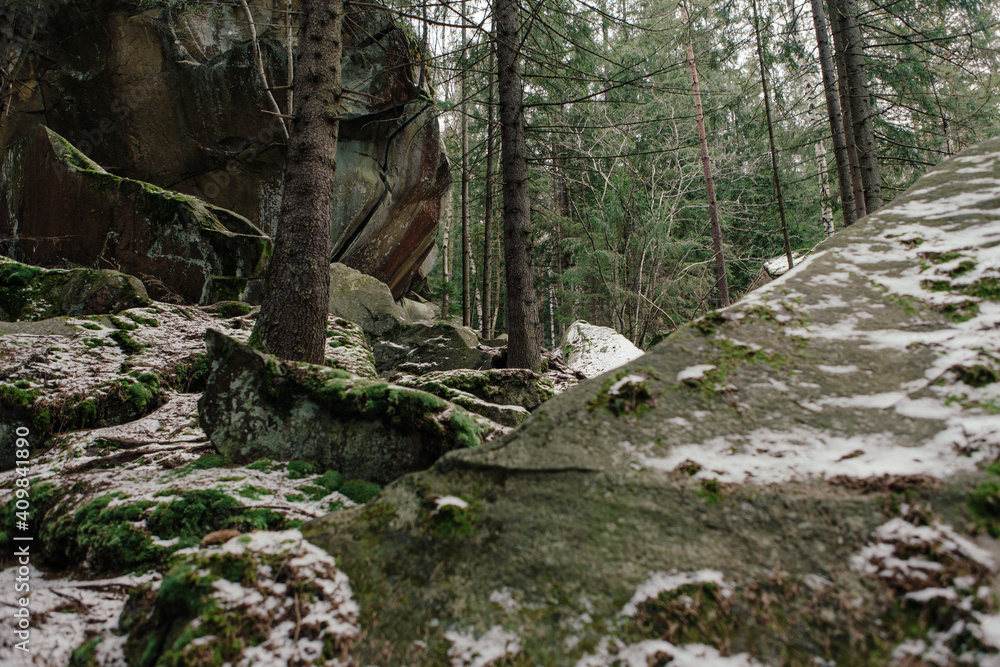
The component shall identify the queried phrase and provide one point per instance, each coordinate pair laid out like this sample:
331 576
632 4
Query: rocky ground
128 495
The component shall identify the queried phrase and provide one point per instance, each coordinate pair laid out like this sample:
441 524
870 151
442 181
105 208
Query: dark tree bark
834 113
861 105
721 278
293 318
845 107
488 210
523 325
466 241
770 136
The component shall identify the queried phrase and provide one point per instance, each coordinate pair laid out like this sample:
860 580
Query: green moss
208 461
453 521
984 288
331 480
263 465
940 257
230 309
634 398
91 326
197 513
295 497
122 324
978 375
709 324
963 267
711 491
467 433
254 492
103 537
141 392
86 655
314 492
984 502
141 319
300 469
20 393
360 491
191 374
125 342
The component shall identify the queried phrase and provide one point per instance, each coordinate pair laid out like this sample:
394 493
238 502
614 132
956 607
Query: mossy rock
504 386
30 293
184 247
418 348
818 445
255 406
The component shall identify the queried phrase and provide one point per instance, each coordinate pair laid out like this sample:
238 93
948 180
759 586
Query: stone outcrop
29 293
423 347
592 350
170 95
59 208
805 477
255 406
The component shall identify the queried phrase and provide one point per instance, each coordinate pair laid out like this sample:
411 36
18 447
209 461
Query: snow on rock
592 350
778 266
661 582
695 373
295 596
934 566
66 614
913 557
614 653
469 651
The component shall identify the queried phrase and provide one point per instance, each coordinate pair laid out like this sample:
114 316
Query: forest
547 332
621 218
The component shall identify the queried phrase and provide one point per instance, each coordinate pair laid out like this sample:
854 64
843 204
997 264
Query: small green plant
359 490
710 491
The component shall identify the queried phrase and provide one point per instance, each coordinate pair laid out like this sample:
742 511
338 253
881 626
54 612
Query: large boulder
592 349
170 95
417 348
59 208
364 300
255 406
29 293
806 477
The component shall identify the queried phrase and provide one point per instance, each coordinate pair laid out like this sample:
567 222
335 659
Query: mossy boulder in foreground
256 406
803 478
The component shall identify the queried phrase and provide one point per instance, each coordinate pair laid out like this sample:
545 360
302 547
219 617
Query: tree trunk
293 317
770 137
721 279
523 327
488 210
845 107
466 241
446 261
834 114
861 105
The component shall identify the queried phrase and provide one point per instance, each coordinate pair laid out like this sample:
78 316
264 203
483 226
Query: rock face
59 208
29 293
364 300
592 350
793 480
170 96
423 347
255 406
